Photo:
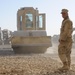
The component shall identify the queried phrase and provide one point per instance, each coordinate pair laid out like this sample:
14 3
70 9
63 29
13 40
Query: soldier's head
64 13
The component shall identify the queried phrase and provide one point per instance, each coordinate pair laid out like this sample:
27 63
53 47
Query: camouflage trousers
64 51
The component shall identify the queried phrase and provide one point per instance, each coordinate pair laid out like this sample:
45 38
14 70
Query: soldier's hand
60 40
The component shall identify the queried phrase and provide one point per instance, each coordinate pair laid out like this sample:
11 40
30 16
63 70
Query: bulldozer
31 35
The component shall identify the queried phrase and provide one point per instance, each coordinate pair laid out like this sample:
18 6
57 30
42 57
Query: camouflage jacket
66 29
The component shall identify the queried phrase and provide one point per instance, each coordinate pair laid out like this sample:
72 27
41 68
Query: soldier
65 40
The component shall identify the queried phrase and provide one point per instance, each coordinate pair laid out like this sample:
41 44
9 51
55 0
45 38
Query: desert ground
32 64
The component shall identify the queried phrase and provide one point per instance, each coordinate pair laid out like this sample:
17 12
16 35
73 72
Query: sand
31 64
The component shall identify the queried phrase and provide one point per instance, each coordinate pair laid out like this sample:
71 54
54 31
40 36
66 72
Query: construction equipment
31 36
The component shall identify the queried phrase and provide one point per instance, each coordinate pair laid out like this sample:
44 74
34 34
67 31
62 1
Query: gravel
32 64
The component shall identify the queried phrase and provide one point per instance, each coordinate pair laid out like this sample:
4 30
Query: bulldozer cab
30 19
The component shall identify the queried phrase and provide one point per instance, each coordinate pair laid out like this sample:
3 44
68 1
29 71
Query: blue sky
52 8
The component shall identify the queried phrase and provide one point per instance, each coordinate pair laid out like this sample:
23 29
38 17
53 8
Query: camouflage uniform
65 42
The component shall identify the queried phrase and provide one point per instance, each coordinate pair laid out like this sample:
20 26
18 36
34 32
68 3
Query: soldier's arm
68 29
